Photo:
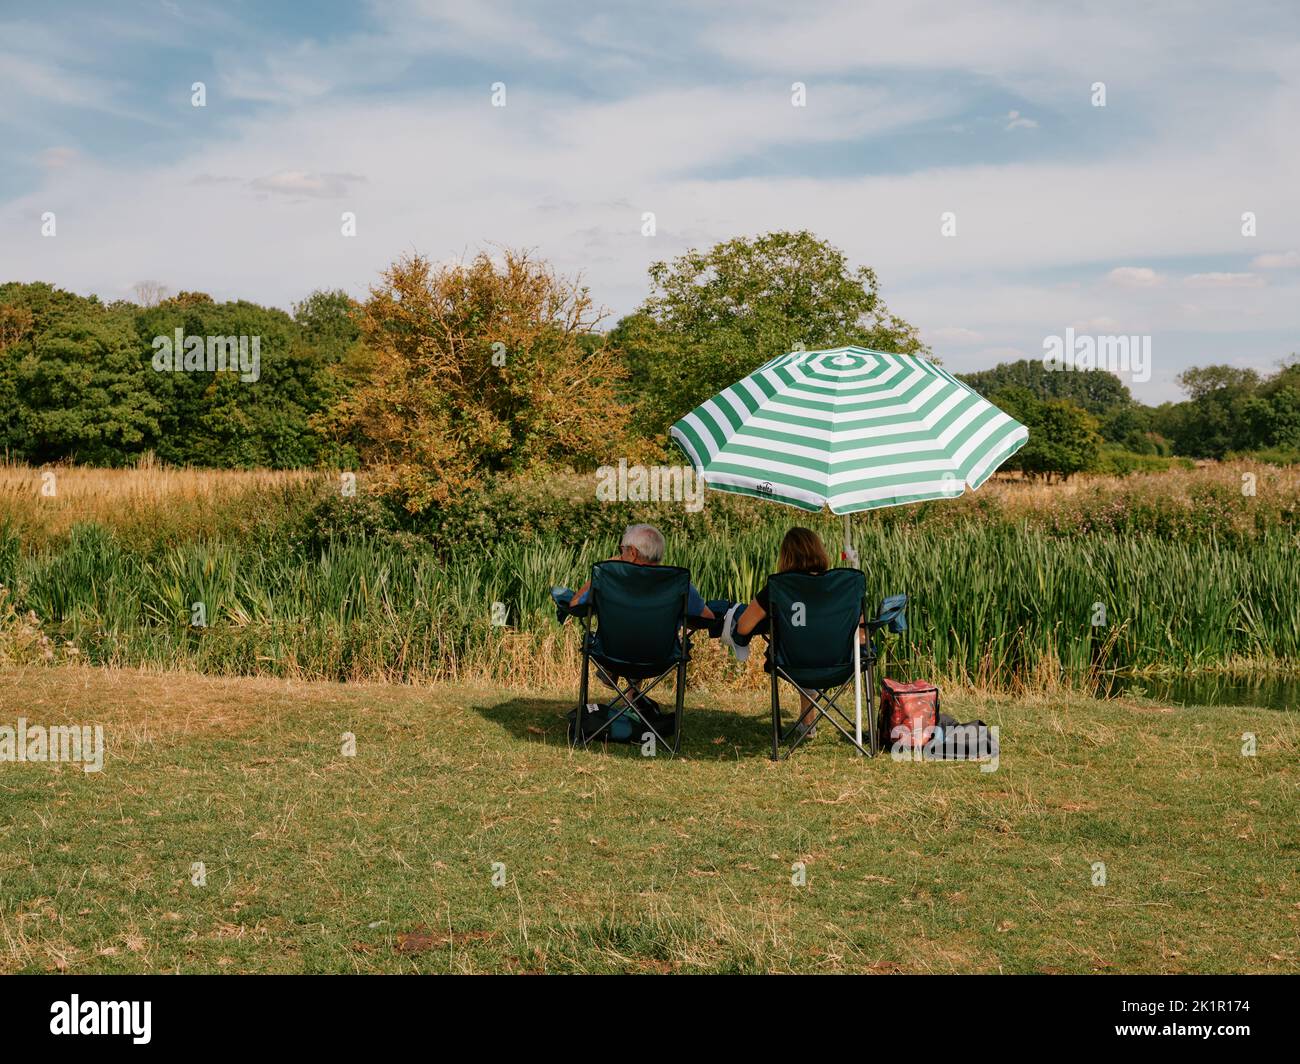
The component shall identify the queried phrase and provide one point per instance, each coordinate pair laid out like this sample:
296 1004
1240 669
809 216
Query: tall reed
996 605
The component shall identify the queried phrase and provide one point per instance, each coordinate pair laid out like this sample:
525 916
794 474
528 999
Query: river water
1268 690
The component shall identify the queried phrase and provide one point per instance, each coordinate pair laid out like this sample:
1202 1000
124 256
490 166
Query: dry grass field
465 836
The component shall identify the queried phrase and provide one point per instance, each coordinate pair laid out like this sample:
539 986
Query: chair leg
871 704
681 700
776 719
583 690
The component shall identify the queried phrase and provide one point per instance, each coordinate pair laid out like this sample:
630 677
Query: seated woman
802 551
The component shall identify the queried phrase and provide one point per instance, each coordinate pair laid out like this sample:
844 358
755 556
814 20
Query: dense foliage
474 369
298 578
447 374
1086 420
714 316
78 381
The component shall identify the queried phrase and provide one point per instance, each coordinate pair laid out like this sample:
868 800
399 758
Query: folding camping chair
641 634
813 644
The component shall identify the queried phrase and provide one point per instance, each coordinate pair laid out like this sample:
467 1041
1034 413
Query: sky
865 123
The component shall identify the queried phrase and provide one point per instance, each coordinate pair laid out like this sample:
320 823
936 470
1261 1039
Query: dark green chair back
813 621
641 611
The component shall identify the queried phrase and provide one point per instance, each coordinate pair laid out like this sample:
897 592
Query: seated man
644 545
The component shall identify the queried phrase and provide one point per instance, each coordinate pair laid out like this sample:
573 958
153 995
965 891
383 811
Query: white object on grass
728 632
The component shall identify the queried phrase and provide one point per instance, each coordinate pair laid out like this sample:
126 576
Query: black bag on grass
972 741
630 727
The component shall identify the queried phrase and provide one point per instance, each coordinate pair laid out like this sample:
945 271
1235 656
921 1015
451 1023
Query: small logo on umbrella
765 488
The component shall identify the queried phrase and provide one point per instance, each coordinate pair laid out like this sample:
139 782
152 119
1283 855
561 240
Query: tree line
448 372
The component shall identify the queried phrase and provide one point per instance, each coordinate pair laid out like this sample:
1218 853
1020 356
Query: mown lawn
383 861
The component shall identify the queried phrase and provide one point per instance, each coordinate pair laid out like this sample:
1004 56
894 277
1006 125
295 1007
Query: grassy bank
1236 502
1013 588
992 605
384 861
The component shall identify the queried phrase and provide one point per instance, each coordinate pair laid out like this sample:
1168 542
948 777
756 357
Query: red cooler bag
911 706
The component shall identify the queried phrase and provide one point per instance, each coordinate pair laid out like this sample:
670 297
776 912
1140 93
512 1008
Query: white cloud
54 81
546 168
994 39
952 334
299 183
569 174
1134 276
1286 260
1224 280
986 357
1096 326
1015 120
665 132
407 33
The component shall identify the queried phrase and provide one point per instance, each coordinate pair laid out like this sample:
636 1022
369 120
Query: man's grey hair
648 541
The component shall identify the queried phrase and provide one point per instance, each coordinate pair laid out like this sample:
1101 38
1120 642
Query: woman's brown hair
802 551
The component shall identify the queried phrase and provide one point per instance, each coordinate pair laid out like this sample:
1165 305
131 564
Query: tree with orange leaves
478 367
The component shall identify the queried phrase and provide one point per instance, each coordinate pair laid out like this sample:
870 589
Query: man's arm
577 595
696 606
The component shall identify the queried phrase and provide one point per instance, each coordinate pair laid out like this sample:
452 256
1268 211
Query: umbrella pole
852 556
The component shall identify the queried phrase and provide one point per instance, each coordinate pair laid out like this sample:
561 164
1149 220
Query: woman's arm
750 618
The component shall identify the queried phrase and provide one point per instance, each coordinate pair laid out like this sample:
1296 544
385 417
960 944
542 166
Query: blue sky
1117 219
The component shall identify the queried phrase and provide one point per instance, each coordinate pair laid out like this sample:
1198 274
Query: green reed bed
995 605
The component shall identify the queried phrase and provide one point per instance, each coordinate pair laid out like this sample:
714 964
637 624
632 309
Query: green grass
323 863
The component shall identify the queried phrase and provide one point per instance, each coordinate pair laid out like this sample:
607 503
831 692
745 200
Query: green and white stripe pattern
849 428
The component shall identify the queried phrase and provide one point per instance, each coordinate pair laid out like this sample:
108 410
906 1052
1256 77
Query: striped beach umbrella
851 429
848 428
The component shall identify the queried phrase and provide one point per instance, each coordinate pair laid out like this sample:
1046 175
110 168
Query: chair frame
683 642
822 702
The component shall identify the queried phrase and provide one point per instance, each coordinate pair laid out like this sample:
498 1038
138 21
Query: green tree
72 378
1063 437
220 419
1098 391
1219 416
715 316
1281 427
330 323
331 328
